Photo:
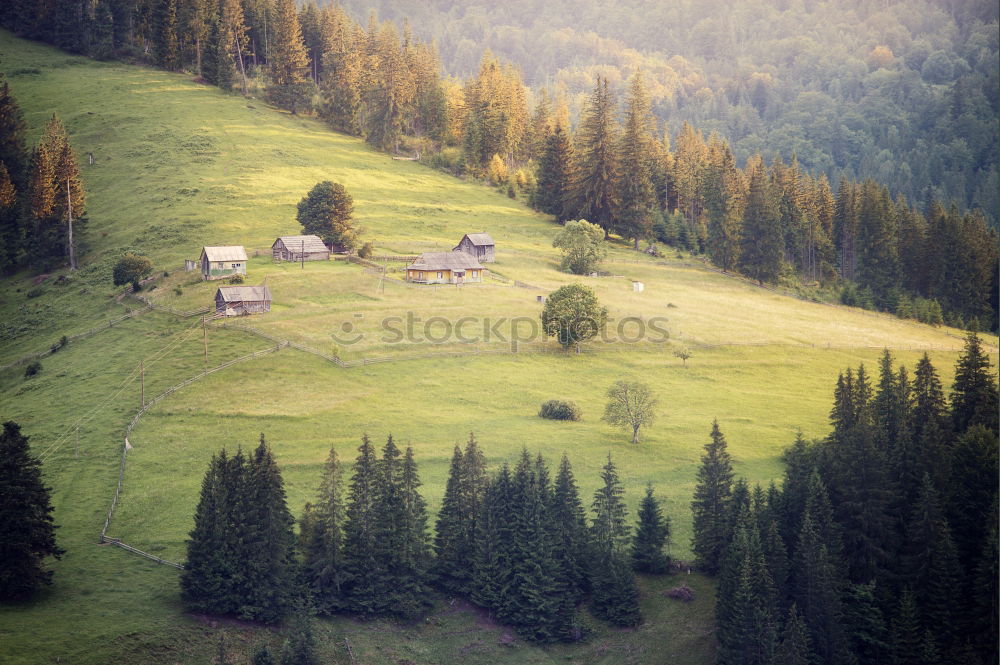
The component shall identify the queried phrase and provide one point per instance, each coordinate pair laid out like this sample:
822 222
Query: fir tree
389 93
761 249
27 534
167 47
324 550
614 596
638 198
11 233
13 150
973 491
217 64
906 633
974 394
571 545
492 566
287 60
454 541
360 534
816 591
794 648
340 86
262 656
609 530
300 646
712 500
776 559
554 175
723 196
864 622
594 192
651 535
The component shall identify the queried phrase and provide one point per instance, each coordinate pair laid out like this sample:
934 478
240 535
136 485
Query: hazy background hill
901 92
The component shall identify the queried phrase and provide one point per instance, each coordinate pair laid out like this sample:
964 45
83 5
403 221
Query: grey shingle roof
225 253
244 293
302 243
445 261
478 239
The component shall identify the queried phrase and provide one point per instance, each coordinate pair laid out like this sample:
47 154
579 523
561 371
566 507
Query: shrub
33 368
557 409
236 279
366 250
683 593
35 291
63 341
131 268
178 291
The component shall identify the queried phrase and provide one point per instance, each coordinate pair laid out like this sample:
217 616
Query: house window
439 275
237 265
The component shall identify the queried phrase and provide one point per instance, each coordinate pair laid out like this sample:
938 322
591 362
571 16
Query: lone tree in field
630 405
582 245
573 315
130 269
27 535
326 211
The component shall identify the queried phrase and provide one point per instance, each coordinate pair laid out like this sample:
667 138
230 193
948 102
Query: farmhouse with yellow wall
445 268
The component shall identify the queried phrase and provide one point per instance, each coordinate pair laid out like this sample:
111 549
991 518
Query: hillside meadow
179 165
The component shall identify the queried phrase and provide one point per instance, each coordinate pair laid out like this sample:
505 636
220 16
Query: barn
222 262
300 248
242 300
445 268
479 245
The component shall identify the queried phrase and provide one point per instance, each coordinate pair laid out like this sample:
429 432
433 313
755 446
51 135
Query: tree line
881 543
42 199
516 542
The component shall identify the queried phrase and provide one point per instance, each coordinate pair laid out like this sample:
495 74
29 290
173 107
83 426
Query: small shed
300 248
479 245
222 262
638 287
444 268
242 300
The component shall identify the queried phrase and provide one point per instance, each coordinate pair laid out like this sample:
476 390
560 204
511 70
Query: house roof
302 243
225 253
244 293
478 239
445 261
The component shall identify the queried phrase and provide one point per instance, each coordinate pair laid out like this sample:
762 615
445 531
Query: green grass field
180 165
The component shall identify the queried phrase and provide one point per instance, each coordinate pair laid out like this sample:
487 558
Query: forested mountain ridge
904 93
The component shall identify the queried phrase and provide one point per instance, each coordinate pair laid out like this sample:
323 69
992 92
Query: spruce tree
722 191
905 636
712 500
973 491
340 86
614 595
864 622
651 535
555 173
360 534
287 60
974 393
165 27
324 553
492 566
11 232
594 193
27 531
638 198
571 547
609 531
794 648
13 150
762 243
389 93
454 540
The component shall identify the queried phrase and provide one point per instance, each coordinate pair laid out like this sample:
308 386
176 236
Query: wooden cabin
479 245
222 262
445 268
242 300
300 248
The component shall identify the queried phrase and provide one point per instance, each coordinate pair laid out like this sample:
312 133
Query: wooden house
300 248
444 268
222 262
242 300
479 245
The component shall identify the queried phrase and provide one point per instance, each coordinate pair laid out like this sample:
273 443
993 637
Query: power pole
142 385
204 334
302 253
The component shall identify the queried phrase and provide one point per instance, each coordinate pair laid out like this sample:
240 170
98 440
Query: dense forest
904 93
880 545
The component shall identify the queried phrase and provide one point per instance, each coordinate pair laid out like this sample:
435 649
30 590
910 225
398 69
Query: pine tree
217 64
712 500
609 531
262 656
651 535
794 648
300 646
723 195
70 197
324 550
389 92
13 150
287 60
877 241
340 85
776 559
360 534
594 193
571 546
762 242
906 633
746 599
864 622
450 564
27 534
555 173
11 233
974 394
492 566
638 197
973 491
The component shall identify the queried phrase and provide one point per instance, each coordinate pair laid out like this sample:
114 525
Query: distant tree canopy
572 314
326 211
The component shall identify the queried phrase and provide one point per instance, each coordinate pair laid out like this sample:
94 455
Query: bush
131 268
557 409
63 341
366 250
236 279
33 368
681 593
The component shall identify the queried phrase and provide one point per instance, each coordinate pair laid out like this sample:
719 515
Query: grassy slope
179 165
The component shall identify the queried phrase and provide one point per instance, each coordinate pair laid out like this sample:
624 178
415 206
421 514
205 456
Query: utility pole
302 253
204 334
142 385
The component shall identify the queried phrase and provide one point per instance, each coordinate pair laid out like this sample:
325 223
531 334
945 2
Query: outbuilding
222 262
445 268
242 300
479 245
300 248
